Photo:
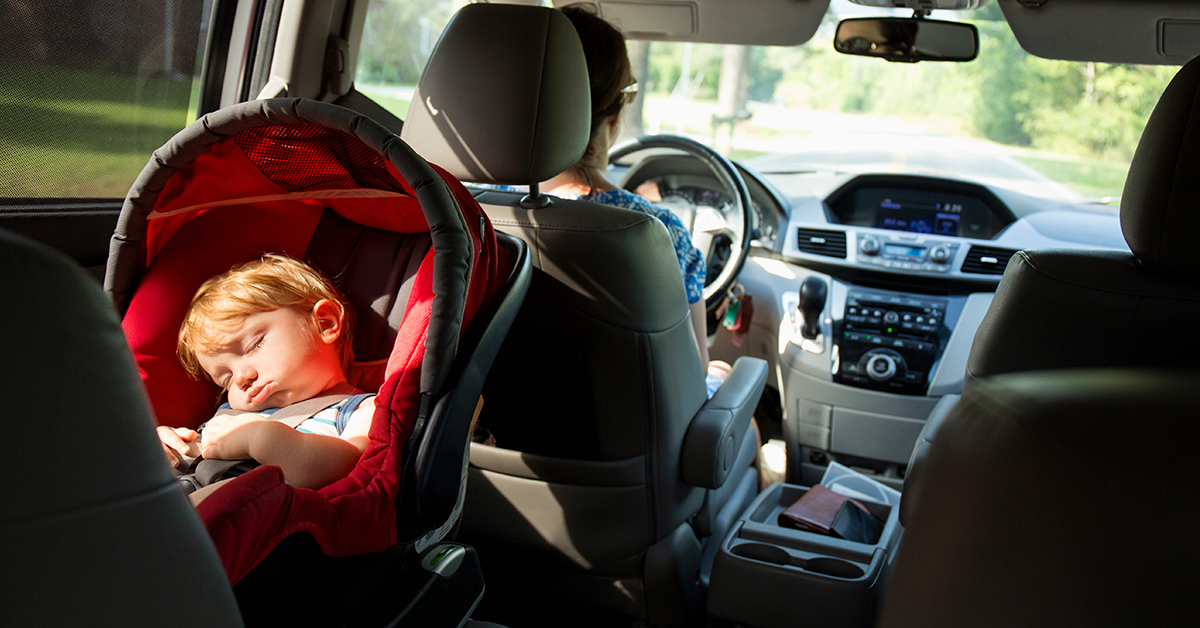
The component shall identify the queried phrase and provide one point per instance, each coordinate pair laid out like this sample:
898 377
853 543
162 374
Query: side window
89 88
397 39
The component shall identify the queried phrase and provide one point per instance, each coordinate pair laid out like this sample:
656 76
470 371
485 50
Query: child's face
275 358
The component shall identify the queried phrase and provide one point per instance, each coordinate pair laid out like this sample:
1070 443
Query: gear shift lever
812 302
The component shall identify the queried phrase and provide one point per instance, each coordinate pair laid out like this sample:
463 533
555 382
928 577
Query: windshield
1053 129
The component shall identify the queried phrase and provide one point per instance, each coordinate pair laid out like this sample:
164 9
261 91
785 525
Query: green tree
398 37
1000 81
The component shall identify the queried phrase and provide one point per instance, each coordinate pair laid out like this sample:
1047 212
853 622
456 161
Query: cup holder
764 553
776 555
834 567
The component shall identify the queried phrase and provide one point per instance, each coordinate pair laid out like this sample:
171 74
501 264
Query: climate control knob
869 245
881 367
940 254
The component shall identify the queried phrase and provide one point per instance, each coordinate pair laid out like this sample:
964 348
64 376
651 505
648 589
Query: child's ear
327 316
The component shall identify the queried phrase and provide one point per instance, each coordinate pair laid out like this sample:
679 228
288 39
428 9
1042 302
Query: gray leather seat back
600 376
1059 308
1033 514
95 528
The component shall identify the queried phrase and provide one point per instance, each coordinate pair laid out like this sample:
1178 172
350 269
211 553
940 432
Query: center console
888 341
769 576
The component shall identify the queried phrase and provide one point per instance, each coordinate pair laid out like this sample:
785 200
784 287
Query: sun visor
1110 31
748 22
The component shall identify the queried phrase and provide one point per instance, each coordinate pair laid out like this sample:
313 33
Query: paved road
857 144
862 144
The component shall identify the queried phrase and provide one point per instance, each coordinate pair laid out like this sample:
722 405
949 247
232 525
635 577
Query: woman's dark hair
607 62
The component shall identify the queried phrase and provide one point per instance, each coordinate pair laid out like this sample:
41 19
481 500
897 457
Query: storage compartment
768 576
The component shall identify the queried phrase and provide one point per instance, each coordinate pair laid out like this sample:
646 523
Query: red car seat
414 255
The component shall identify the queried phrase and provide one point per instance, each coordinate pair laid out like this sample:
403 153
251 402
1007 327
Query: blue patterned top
691 261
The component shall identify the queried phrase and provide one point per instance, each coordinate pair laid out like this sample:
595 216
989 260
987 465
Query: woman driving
613 86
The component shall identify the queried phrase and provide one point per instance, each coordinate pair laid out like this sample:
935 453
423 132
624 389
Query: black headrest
504 97
1160 206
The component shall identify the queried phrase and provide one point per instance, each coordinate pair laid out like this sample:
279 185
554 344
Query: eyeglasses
629 92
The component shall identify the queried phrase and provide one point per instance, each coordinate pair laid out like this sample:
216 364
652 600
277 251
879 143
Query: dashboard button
869 245
881 367
912 377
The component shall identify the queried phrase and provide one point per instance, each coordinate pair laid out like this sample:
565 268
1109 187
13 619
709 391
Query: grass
71 133
739 154
1091 178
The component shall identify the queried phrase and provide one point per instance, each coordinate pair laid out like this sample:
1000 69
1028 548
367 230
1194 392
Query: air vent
819 242
986 260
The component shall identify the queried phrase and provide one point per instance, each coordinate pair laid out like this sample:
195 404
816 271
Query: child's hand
228 437
177 443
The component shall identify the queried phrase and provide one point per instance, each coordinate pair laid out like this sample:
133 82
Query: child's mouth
260 394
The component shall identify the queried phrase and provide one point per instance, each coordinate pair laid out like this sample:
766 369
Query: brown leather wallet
816 510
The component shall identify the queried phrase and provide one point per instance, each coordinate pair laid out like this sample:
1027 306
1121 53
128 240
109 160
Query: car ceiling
1112 31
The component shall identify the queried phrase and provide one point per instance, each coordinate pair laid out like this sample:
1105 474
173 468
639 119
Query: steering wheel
734 223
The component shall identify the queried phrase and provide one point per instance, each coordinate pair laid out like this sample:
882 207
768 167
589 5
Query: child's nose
244 378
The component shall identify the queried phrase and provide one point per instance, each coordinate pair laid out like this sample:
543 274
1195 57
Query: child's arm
307 460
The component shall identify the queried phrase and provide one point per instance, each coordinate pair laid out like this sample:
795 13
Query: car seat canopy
405 241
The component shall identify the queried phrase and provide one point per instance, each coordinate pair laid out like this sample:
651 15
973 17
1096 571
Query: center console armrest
716 433
920 451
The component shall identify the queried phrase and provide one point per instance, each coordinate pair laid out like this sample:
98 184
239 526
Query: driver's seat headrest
504 98
1160 206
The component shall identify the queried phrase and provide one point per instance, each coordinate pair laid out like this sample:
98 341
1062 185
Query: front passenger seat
611 472
1061 308
1068 308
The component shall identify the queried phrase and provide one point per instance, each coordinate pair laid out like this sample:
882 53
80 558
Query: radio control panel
907 252
890 342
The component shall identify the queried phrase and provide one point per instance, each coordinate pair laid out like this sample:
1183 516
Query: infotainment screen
897 214
919 211
939 208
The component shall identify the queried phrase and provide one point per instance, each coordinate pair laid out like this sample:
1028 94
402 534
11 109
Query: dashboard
907 266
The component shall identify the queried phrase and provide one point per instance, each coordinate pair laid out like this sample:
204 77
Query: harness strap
301 411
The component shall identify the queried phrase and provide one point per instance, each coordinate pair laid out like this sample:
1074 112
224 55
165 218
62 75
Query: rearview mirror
907 39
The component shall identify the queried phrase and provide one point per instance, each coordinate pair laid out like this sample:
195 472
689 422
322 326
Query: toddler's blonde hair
270 283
